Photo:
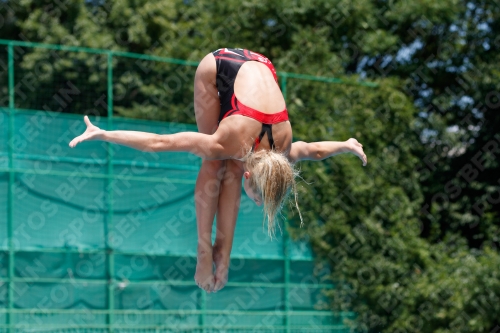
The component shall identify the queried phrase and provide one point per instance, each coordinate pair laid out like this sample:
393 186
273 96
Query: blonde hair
272 176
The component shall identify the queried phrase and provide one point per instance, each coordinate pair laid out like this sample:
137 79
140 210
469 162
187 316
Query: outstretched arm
203 145
317 151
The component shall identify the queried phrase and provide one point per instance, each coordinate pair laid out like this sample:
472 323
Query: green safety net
40 75
105 236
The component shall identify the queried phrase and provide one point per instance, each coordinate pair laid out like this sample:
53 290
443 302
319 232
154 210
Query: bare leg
227 213
206 199
207 108
211 194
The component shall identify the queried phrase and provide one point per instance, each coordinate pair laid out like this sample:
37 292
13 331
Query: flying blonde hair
272 176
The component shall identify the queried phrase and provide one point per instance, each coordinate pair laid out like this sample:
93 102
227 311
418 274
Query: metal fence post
109 196
283 85
10 216
286 240
286 250
203 317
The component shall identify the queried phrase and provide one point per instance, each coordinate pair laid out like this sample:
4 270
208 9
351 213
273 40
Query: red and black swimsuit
229 62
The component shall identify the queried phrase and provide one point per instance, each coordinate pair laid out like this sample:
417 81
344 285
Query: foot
221 261
204 275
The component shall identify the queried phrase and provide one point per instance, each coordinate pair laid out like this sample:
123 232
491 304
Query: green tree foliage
412 238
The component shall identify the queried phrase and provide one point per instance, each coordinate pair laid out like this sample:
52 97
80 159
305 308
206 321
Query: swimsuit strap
266 128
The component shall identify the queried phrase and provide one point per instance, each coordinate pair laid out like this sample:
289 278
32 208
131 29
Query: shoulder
236 134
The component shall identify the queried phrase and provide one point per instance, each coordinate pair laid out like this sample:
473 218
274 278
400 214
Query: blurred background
102 238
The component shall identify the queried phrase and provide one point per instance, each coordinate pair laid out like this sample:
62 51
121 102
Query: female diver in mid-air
244 131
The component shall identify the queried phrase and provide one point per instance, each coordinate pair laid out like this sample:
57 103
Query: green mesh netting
62 81
4 77
99 246
148 89
39 265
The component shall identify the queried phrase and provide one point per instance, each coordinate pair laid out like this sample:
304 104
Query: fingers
87 121
80 138
362 154
74 142
363 157
77 140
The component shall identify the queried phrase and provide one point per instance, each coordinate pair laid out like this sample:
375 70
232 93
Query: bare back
255 87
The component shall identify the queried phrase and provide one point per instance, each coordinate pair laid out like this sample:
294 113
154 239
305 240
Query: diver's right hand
91 133
357 149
